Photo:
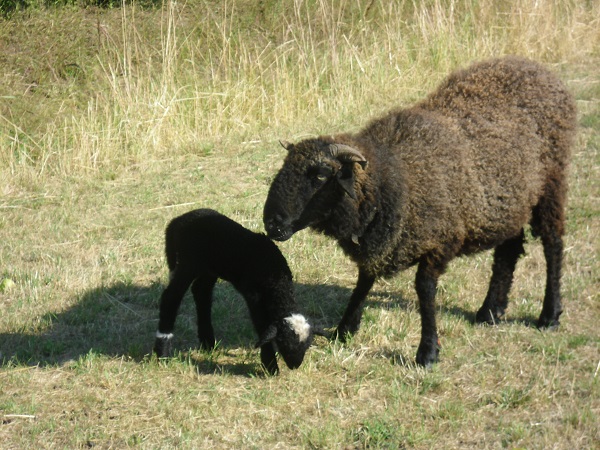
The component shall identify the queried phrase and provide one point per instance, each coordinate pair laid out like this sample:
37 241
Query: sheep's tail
170 246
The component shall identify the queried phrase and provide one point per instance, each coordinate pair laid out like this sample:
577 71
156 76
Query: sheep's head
292 336
315 175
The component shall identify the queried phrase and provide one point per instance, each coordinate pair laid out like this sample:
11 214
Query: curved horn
287 145
346 153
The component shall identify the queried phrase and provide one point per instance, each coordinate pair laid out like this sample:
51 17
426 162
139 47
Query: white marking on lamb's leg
299 325
171 274
160 335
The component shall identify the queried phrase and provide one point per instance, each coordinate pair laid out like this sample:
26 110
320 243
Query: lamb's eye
321 177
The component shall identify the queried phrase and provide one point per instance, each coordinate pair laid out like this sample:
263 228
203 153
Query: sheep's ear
345 178
287 145
346 154
267 336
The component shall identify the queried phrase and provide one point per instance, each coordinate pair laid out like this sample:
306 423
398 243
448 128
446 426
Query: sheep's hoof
208 344
341 336
343 333
487 316
427 355
163 346
548 323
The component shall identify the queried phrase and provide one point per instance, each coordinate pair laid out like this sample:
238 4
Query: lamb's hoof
271 368
163 346
428 355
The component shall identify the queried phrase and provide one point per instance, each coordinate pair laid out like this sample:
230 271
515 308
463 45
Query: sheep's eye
320 173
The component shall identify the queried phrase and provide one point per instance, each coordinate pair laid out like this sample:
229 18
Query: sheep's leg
426 286
552 309
548 221
505 260
202 289
169 305
351 319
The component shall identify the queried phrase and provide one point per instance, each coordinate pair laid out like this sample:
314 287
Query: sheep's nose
274 224
278 227
277 219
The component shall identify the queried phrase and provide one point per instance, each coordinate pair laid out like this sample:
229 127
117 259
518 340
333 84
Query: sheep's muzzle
278 228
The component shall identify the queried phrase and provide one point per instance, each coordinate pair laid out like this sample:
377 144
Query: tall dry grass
112 121
200 75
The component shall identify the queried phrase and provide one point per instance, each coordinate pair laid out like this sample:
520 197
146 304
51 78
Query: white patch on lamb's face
299 325
164 335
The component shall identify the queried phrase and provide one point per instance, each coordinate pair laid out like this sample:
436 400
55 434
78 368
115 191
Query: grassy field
113 121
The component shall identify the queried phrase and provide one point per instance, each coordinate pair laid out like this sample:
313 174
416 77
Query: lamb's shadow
112 320
120 320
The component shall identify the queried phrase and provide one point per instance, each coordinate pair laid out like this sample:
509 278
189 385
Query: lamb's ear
287 145
320 332
267 336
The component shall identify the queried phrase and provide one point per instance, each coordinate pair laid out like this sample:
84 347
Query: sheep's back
511 95
517 121
470 162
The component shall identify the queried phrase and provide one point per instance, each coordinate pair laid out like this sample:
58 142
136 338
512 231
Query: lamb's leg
202 290
262 322
169 305
268 358
426 286
351 319
505 260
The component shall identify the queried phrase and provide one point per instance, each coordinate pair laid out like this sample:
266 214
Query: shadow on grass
120 321
529 321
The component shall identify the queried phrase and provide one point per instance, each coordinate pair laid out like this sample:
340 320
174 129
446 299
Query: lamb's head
292 336
315 176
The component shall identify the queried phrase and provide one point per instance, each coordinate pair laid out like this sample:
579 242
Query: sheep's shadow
120 320
529 321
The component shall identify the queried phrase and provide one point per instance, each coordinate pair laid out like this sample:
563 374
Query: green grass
113 121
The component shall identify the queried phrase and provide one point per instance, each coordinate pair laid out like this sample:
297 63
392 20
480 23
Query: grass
114 120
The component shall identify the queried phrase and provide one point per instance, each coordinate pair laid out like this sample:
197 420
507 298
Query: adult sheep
204 245
460 172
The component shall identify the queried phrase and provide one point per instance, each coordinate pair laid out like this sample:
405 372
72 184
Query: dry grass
131 116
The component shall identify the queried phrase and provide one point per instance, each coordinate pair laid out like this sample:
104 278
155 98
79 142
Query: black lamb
460 172
204 245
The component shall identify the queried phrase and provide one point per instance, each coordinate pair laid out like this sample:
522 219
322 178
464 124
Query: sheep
462 171
202 246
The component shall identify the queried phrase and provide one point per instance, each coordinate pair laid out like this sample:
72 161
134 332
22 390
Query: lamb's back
210 241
